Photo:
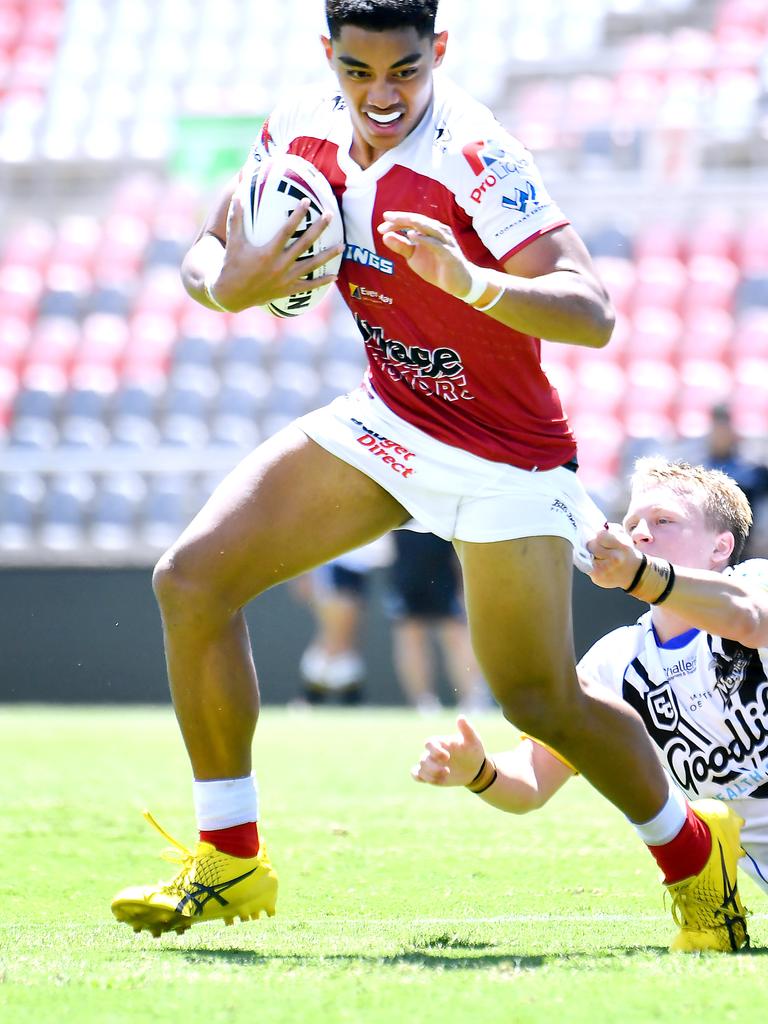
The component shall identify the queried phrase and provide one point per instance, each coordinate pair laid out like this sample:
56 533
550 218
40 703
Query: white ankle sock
222 803
667 823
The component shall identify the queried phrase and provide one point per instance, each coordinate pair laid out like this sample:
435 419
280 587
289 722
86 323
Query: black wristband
480 771
485 777
489 783
668 588
638 575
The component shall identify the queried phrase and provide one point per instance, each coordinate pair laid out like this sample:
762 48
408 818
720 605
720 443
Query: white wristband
478 285
492 303
207 285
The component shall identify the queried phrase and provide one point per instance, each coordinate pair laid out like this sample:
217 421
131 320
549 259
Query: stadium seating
129 401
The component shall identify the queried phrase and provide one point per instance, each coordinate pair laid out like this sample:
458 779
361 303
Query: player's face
669 525
386 79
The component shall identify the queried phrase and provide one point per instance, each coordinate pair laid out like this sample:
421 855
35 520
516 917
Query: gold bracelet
485 777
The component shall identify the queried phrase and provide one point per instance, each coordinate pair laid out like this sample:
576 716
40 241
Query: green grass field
398 902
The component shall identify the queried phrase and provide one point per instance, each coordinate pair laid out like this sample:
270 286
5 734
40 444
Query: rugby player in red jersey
457 261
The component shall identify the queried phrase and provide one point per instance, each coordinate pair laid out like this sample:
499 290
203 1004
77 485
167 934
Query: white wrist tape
208 282
479 283
492 303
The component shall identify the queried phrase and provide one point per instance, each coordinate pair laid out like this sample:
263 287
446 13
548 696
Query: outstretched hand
255 275
430 248
451 760
615 559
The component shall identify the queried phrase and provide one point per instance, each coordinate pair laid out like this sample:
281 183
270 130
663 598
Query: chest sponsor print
359 293
717 742
434 372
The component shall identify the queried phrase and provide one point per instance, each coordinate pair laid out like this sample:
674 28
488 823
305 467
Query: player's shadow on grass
424 956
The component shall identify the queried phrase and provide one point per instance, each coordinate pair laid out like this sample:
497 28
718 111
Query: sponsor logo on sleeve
492 163
523 198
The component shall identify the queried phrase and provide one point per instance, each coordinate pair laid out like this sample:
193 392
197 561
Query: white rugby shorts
449 491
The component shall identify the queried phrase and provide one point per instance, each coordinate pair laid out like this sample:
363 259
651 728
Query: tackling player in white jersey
695 669
457 263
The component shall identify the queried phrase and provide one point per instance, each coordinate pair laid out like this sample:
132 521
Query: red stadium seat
661 282
161 291
9 386
53 343
21 288
713 235
598 389
712 283
15 333
661 240
707 334
599 439
638 96
752 246
750 387
651 386
104 342
655 334
199 322
559 375
29 244
751 336
748 15
148 351
703 384
619 277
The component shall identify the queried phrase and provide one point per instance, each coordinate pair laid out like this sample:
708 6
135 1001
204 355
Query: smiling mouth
384 120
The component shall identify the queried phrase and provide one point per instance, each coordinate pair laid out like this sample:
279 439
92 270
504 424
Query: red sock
237 841
687 853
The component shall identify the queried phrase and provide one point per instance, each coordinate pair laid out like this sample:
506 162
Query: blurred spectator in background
426 605
333 666
723 451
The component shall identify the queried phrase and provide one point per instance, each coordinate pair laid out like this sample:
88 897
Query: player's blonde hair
722 501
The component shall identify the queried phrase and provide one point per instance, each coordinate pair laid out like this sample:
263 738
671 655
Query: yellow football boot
210 886
707 906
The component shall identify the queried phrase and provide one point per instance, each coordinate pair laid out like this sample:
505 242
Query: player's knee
178 584
541 709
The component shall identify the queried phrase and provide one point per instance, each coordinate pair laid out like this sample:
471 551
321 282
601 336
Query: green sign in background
208 149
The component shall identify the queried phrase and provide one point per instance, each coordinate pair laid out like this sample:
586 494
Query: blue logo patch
521 198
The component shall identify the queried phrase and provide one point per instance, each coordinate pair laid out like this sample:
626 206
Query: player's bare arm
722 605
548 290
222 270
526 777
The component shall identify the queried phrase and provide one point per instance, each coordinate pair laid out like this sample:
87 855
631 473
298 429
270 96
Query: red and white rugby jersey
453 372
704 702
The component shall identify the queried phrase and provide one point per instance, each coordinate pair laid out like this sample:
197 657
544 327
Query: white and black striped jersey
704 701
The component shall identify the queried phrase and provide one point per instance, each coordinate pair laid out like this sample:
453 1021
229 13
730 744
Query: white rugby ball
269 196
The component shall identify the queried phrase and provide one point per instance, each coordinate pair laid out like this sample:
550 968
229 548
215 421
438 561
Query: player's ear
440 43
328 47
722 549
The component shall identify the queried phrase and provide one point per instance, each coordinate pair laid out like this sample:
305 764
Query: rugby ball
269 196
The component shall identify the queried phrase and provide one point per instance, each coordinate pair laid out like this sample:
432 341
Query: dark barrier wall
93 635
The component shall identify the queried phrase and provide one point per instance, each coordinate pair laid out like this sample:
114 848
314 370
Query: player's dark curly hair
380 15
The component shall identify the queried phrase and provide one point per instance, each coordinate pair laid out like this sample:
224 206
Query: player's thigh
286 508
518 599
